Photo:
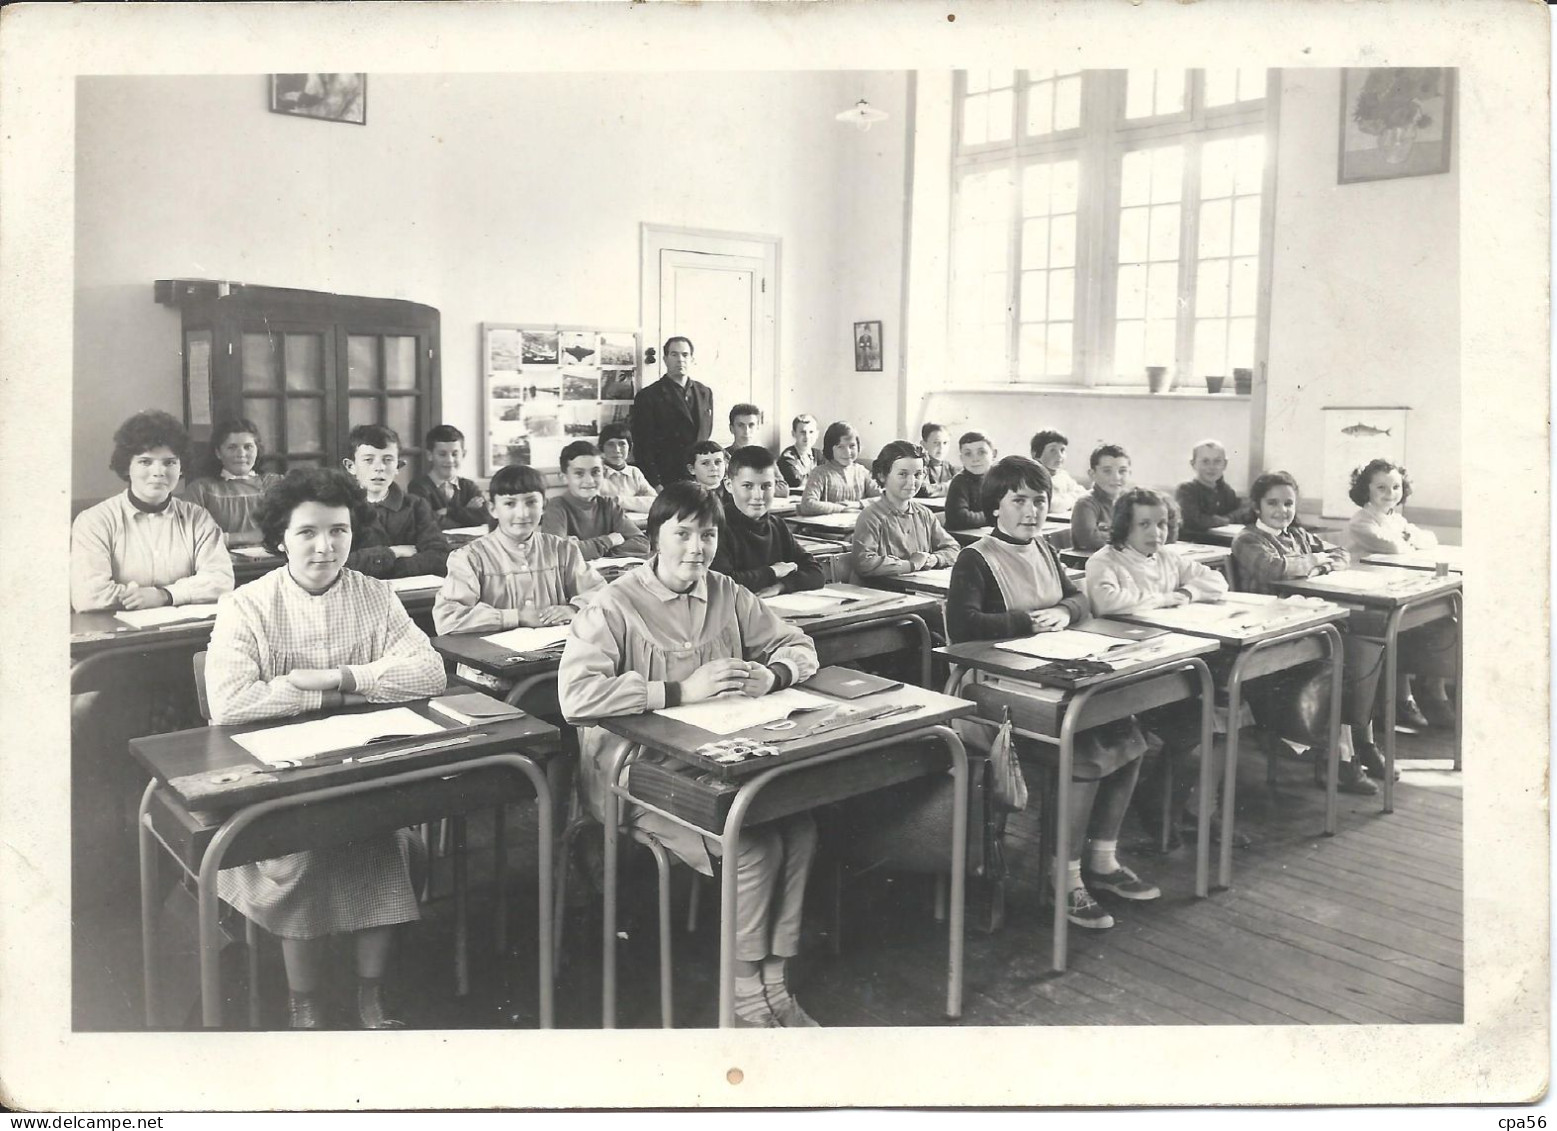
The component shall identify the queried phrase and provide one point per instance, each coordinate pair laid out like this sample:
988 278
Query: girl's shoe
1350 779
371 1010
1408 714
304 1011
1371 760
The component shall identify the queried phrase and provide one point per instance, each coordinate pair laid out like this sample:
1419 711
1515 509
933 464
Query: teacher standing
670 416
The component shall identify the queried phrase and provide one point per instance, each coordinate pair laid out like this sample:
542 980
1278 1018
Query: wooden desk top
821 547
905 604
680 740
842 522
209 771
471 648
1401 587
1453 556
1205 554
933 582
985 656
1246 624
1051 531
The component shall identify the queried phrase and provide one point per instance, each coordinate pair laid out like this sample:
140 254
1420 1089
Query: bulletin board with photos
545 386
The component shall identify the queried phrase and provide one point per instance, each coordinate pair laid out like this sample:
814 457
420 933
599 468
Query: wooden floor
1364 927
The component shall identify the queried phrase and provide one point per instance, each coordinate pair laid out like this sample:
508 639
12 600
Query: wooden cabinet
307 367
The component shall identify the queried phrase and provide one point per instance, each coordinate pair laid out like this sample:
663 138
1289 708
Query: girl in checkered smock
310 636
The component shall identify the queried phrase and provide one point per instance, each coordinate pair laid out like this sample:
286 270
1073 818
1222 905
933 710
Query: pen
416 749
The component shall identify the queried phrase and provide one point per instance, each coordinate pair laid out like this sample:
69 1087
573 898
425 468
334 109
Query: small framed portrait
867 347
329 97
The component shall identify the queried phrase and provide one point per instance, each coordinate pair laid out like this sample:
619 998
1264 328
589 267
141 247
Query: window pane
1240 343
1162 290
1216 168
1000 110
1159 342
1063 197
362 410
1034 296
1251 163
1221 87
1035 190
402 418
1246 225
1030 357
975 119
1138 93
1060 362
993 363
977 81
1067 105
1035 243
1127 350
1132 235
1211 348
1040 109
266 412
1251 84
400 361
1135 181
362 362
1215 224
304 355
1002 80
991 246
1165 232
1131 302
259 365
1062 241
1170 92
1245 286
1062 295
992 298
1167 174
1211 290
305 424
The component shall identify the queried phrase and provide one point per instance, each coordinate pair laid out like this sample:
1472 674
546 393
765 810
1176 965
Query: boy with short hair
799 459
1048 449
1092 518
1206 500
581 513
938 471
757 548
619 479
455 501
745 426
705 465
964 494
403 539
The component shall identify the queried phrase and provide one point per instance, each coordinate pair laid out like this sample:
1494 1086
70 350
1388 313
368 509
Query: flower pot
1157 378
1214 384
1243 381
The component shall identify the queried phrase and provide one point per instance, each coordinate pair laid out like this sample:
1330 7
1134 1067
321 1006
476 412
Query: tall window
1105 222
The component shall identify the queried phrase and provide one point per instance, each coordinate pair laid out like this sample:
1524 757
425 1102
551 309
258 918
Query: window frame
1099 145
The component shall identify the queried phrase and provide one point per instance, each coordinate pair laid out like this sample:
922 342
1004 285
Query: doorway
719 289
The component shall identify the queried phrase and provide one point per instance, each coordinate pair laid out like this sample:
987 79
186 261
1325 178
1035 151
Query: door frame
654 238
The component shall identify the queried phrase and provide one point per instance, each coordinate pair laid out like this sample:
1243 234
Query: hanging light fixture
862 114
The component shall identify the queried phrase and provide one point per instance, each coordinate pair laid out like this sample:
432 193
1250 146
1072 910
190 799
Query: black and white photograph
1166 712
329 97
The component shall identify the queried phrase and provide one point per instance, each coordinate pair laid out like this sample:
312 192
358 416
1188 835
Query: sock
1073 875
749 1002
773 971
1100 853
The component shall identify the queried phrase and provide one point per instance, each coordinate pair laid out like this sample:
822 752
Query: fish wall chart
545 386
1353 436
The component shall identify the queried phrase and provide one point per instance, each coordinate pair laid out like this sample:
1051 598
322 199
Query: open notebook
168 614
530 639
415 584
296 741
726 714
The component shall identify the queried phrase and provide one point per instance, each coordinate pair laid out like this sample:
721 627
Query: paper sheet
940 578
467 531
338 732
1452 556
729 713
843 520
815 601
1066 644
168 614
251 552
530 639
415 584
1356 580
1199 615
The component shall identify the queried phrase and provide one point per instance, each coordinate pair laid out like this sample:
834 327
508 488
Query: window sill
1114 392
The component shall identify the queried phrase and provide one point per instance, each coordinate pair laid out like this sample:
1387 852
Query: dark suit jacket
663 428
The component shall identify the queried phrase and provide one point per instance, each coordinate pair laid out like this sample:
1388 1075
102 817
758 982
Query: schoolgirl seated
673 632
757 548
1276 547
839 482
896 534
1380 489
1139 570
1010 583
314 635
234 493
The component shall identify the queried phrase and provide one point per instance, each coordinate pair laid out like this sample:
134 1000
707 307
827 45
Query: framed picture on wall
867 347
1395 122
329 97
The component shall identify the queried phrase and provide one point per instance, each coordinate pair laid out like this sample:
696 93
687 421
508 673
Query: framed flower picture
1395 122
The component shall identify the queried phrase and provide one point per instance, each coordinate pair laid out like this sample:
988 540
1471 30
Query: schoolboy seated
706 462
895 535
581 513
619 479
838 483
938 470
1048 448
799 459
1206 500
233 494
964 494
1092 518
403 539
1010 583
456 502
746 427
757 548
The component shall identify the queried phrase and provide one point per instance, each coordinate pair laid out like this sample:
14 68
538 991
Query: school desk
808 772
212 805
1452 556
1224 535
783 505
1054 716
830 554
1212 557
253 562
874 627
1405 599
1057 534
527 670
839 524
1256 640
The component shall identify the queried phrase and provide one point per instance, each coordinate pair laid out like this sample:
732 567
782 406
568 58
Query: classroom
1179 275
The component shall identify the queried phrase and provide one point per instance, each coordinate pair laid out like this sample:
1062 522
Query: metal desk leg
148 855
1062 801
499 873
1337 681
1391 675
959 870
608 911
1457 611
461 910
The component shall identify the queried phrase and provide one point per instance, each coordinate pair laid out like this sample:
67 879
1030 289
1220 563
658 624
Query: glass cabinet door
385 385
284 375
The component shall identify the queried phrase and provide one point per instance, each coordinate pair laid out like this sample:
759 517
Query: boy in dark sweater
756 548
403 539
1206 500
964 502
456 502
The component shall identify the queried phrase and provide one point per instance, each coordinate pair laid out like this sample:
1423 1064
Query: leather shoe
1408 714
1371 760
304 1012
371 1010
